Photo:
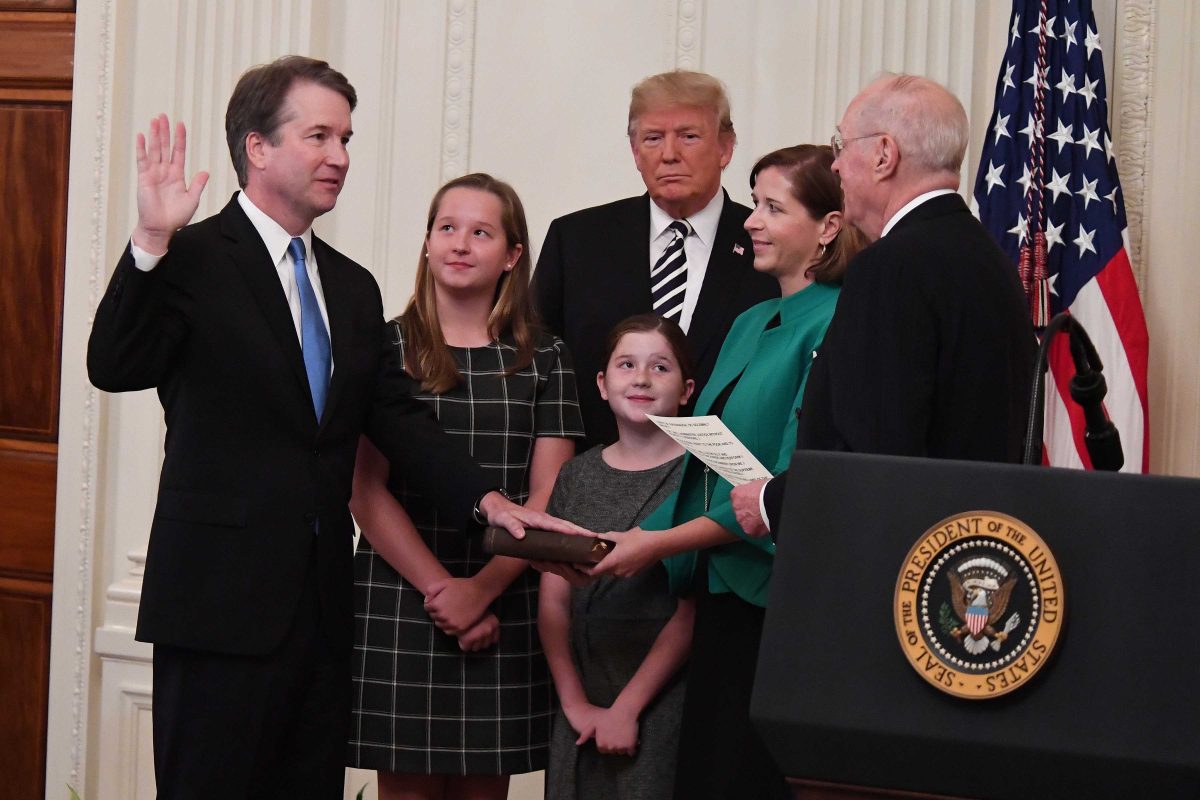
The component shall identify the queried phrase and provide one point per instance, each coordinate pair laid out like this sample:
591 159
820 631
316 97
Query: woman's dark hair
653 323
818 188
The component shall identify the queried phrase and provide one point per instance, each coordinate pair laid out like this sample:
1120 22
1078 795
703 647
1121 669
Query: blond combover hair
681 87
427 356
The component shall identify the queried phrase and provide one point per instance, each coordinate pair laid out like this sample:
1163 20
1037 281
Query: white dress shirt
698 247
910 205
277 240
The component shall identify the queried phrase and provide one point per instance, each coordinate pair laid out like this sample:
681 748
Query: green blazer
770 367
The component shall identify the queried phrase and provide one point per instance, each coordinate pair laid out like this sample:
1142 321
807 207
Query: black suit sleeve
902 357
548 281
773 500
407 432
872 386
139 326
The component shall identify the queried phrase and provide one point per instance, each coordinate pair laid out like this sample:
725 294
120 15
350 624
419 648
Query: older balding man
930 351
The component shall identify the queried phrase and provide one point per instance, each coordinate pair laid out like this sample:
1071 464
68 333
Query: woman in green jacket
756 387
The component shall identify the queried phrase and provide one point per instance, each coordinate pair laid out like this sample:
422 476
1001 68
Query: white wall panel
1172 240
394 53
551 98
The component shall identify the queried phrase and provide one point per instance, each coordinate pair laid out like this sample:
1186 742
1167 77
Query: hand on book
636 549
504 513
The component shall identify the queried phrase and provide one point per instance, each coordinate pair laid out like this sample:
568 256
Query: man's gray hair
926 120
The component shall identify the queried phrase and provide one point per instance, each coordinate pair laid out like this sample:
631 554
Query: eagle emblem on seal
979 591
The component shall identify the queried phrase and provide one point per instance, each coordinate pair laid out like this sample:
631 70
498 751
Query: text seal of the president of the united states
979 604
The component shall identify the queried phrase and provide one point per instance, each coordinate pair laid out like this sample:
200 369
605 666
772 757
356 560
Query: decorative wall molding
456 104
1133 70
135 720
689 34
97 271
221 40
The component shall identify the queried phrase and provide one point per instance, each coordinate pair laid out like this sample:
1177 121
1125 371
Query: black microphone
1102 438
1087 388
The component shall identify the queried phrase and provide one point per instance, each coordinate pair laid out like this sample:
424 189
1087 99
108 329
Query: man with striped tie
679 249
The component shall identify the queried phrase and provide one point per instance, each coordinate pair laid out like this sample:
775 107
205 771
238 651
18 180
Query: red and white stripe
1111 312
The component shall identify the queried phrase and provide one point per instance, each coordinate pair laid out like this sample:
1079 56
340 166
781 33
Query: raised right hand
165 202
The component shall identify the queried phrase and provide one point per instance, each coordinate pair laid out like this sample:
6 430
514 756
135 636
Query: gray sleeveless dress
614 622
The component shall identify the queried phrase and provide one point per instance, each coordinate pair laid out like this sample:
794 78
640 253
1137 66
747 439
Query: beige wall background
534 91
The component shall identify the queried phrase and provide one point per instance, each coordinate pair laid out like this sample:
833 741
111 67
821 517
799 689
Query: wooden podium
1115 710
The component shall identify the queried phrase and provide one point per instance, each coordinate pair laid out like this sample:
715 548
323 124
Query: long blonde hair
427 356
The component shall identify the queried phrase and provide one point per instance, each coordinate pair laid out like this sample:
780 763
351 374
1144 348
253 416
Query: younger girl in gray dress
615 647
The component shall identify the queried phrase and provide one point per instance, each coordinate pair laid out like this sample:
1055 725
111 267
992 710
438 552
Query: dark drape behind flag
1057 140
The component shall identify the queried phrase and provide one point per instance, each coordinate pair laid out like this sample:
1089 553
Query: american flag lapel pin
738 249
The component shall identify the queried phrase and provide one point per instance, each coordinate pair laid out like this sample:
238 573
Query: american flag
1048 168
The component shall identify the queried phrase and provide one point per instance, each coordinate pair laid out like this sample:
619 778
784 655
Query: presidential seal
979 604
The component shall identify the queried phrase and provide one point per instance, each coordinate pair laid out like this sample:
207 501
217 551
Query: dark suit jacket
930 352
594 271
249 475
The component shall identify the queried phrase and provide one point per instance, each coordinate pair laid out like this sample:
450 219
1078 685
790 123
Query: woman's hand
456 604
636 549
481 635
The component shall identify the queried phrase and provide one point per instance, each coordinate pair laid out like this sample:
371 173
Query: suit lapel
630 274
725 268
254 262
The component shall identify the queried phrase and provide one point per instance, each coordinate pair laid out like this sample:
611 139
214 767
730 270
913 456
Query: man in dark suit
679 249
266 346
930 351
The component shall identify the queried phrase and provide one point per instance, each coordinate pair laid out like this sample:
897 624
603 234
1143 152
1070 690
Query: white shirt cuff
141 259
762 505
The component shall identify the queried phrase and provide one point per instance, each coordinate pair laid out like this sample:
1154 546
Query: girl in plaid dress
451 692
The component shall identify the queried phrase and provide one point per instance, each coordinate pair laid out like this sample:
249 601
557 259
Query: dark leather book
543 545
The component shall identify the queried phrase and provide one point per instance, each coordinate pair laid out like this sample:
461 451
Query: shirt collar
910 205
272 233
704 222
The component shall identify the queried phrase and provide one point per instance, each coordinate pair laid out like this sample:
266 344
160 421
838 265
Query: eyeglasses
838 144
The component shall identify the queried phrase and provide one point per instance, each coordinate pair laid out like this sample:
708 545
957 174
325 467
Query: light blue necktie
314 339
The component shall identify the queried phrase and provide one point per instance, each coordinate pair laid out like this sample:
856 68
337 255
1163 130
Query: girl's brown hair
653 323
427 357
